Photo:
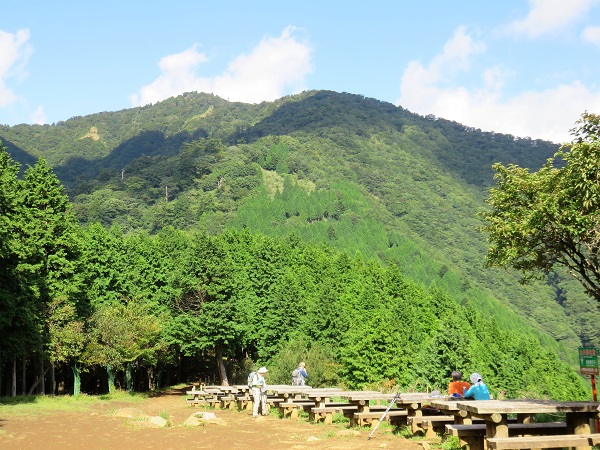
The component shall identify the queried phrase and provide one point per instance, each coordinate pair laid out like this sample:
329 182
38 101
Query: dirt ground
98 428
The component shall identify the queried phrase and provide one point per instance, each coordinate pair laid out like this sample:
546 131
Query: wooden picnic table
229 389
287 391
411 403
418 418
496 412
196 394
242 389
321 396
203 396
362 399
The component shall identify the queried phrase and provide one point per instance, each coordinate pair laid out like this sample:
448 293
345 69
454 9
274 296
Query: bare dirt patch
97 427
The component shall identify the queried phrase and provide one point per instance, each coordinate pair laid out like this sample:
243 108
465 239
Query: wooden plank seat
291 409
195 392
531 442
514 429
213 401
244 403
325 413
473 435
394 416
428 425
228 402
274 401
421 419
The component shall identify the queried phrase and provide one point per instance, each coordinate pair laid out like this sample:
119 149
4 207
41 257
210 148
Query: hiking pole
396 397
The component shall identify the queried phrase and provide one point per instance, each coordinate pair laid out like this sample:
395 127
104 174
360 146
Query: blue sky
523 67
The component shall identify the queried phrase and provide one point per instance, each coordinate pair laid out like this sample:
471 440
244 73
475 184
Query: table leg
497 426
463 418
364 404
475 442
578 423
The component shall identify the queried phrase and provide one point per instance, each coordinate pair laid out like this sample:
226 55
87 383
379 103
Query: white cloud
276 67
14 54
39 117
548 114
419 84
592 35
549 15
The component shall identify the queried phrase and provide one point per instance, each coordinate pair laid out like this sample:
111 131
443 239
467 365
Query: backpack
251 379
296 378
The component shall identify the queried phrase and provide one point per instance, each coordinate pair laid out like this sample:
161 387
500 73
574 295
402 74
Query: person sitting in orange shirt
457 387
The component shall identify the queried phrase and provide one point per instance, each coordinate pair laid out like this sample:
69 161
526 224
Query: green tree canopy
551 217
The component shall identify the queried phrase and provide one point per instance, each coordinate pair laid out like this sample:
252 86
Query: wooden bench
244 403
514 429
394 416
198 397
428 424
473 435
291 409
274 401
228 402
530 442
325 413
213 401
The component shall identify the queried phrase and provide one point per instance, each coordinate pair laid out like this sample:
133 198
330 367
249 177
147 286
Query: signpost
588 361
588 365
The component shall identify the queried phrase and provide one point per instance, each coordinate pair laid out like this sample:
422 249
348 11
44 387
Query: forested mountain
361 177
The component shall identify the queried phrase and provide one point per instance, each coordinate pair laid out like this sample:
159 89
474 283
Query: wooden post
594 397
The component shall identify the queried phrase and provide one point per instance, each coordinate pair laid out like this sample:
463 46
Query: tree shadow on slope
148 143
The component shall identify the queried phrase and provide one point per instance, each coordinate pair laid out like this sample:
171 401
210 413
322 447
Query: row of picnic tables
482 424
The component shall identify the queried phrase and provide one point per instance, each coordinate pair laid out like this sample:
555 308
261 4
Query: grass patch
165 415
39 404
405 432
448 443
329 434
339 418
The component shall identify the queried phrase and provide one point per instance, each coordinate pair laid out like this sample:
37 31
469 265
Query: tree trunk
24 375
111 379
0 374
42 389
53 380
129 377
159 379
151 378
221 366
168 378
37 381
76 380
13 389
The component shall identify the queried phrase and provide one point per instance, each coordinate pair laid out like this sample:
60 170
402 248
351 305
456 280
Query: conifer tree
11 289
49 257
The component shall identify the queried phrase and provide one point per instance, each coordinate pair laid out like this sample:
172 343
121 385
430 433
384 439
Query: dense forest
197 237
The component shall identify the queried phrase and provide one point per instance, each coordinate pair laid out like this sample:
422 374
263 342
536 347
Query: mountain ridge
398 180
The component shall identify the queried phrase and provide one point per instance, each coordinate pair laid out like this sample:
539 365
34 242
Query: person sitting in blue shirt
478 389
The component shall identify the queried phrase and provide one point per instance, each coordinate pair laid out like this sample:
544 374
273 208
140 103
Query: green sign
588 361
